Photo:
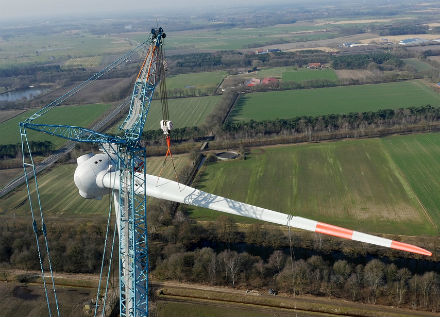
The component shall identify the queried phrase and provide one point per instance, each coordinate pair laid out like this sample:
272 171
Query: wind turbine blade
169 190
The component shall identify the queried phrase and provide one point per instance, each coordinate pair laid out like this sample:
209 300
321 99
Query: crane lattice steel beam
127 156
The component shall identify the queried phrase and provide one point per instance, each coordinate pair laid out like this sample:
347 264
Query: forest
37 147
360 61
331 123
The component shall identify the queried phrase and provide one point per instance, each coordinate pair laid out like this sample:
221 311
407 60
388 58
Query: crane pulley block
166 126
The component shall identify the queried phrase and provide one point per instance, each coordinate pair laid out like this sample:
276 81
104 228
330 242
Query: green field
31 49
184 112
85 62
304 74
82 116
387 185
274 71
417 156
242 38
418 65
290 73
342 99
202 80
59 194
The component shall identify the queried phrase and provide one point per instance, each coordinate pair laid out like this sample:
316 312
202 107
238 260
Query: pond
20 94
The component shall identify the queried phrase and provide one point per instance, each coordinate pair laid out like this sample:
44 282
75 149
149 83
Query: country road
68 147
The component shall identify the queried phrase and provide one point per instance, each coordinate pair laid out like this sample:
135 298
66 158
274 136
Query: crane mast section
144 88
133 244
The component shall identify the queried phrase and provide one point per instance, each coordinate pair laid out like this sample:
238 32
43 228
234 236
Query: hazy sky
43 8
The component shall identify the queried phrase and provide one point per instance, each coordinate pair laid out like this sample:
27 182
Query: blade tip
409 248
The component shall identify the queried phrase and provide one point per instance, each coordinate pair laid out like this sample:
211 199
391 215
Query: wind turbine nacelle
86 174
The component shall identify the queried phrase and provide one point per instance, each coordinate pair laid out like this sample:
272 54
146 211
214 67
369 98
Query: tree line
250 256
375 282
323 83
199 62
402 29
229 133
355 121
261 257
71 246
359 61
37 148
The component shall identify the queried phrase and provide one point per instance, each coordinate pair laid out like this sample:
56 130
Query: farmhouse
269 50
412 41
314 65
269 80
252 82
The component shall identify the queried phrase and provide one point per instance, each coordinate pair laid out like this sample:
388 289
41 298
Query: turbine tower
121 167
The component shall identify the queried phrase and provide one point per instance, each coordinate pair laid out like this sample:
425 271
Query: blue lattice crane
129 158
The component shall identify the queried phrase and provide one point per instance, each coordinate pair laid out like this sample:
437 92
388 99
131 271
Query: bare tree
341 272
414 286
374 277
427 282
213 268
276 261
232 263
300 276
403 276
202 261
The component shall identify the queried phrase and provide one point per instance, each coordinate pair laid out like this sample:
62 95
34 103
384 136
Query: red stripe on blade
334 230
409 248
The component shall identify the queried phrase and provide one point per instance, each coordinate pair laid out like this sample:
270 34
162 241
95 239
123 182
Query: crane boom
144 88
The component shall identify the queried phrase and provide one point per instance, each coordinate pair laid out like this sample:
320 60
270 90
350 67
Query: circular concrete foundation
230 155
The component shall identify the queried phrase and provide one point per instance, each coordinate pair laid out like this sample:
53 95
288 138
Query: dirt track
221 295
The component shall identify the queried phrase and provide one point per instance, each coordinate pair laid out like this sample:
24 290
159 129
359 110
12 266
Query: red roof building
252 82
314 65
269 80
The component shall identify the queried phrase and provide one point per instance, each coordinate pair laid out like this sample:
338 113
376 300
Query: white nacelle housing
89 166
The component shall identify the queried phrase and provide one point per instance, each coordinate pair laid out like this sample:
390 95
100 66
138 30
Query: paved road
49 161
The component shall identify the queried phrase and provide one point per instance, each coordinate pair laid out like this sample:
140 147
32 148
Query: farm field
309 74
288 73
80 115
418 65
184 112
343 99
349 74
434 58
86 62
8 114
417 157
169 308
31 49
28 299
372 185
7 175
243 38
202 80
59 194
